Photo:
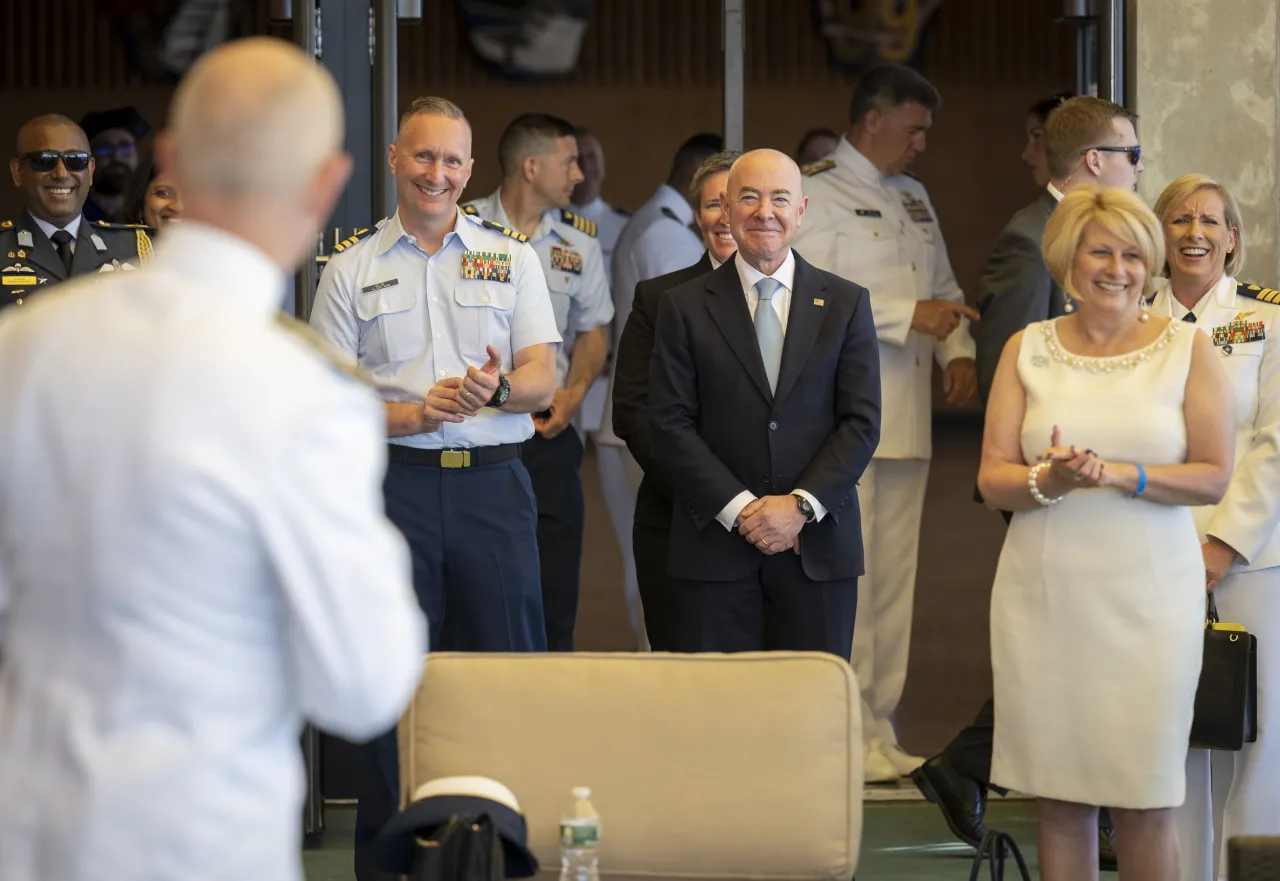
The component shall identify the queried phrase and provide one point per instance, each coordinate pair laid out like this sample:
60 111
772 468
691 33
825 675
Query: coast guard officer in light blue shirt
451 313
539 158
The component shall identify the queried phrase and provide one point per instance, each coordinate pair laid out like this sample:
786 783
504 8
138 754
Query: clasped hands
771 524
458 398
1070 468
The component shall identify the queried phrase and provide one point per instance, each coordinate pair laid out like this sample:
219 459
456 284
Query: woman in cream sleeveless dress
1103 426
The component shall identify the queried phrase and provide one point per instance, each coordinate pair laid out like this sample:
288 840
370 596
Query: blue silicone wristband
1142 480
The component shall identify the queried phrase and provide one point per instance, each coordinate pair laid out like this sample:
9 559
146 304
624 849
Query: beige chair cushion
701 766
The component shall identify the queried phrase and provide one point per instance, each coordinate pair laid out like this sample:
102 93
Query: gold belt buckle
455 458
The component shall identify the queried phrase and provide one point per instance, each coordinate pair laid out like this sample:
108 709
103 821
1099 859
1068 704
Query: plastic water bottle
580 839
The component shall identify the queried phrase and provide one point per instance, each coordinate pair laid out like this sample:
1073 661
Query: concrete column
1207 89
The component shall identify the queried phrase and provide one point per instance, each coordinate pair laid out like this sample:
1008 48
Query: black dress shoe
962 800
1107 847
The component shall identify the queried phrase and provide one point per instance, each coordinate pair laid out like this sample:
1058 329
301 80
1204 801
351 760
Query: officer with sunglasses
51 240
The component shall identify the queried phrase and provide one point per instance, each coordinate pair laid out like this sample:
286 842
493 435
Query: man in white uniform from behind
194 556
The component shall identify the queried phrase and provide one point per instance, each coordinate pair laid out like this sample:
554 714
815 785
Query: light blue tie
769 330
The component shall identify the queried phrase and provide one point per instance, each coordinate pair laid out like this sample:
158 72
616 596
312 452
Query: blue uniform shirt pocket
392 328
484 317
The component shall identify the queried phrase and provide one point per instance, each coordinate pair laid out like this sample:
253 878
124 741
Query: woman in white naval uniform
1228 793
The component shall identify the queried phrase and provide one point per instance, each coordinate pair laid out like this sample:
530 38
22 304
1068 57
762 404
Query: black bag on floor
996 846
464 849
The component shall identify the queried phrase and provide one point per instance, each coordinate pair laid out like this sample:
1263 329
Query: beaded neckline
1093 364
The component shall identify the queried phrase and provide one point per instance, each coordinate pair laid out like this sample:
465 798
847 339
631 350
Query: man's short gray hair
430 104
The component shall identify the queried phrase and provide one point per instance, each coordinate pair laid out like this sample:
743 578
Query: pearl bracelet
1032 484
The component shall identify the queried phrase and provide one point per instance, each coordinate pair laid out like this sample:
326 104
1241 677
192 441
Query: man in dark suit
765 401
651 526
1087 141
51 240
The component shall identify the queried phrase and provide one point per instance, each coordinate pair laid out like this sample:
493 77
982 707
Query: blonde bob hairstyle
1181 189
1119 212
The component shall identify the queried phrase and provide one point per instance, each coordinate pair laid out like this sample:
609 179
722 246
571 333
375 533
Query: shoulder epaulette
145 249
667 212
578 222
471 209
347 243
912 176
106 225
6 224
1266 295
497 227
818 167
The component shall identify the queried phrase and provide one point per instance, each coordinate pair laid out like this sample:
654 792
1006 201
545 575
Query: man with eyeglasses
1087 141
51 240
113 140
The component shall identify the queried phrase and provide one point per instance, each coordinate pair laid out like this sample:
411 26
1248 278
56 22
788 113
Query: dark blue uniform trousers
555 468
472 534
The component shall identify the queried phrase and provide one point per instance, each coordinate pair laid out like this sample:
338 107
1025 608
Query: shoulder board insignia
912 176
1256 292
8 224
106 225
817 167
497 227
347 243
578 222
471 209
667 212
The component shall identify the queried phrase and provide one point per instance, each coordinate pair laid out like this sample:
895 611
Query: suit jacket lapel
42 253
1057 298
728 307
803 323
87 257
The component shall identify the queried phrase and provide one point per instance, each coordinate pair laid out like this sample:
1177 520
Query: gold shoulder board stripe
471 209
497 227
347 243
1256 292
578 222
818 167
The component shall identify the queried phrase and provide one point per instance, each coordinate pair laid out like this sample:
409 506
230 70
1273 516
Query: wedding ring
764 543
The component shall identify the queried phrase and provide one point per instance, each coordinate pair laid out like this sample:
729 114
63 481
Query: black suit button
766 478
773 426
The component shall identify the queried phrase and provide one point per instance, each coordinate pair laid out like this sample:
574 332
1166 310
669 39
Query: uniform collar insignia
99 245
25 240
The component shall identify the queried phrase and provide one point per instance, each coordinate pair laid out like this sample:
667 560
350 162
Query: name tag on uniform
867 212
486 266
918 210
566 260
15 280
379 286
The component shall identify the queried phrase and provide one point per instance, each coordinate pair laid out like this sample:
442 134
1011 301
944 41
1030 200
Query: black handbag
464 849
994 849
1226 711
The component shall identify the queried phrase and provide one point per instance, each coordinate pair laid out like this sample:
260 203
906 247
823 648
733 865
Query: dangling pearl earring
1069 303
1144 314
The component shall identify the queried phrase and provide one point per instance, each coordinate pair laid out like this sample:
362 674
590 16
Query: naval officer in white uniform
873 224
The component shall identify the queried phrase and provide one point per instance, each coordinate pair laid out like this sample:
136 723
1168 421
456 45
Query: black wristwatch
805 508
500 396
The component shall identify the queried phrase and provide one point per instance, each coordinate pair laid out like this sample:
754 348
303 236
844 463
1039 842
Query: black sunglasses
1135 152
45 161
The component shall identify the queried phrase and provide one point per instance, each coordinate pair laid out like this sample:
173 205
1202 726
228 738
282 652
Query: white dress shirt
785 275
195 559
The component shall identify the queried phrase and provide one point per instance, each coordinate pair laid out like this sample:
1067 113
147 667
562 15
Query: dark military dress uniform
29 261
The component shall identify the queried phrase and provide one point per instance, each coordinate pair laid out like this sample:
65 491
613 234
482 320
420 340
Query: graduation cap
127 118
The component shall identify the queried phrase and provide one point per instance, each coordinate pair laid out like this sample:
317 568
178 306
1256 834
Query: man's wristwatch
805 508
500 396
